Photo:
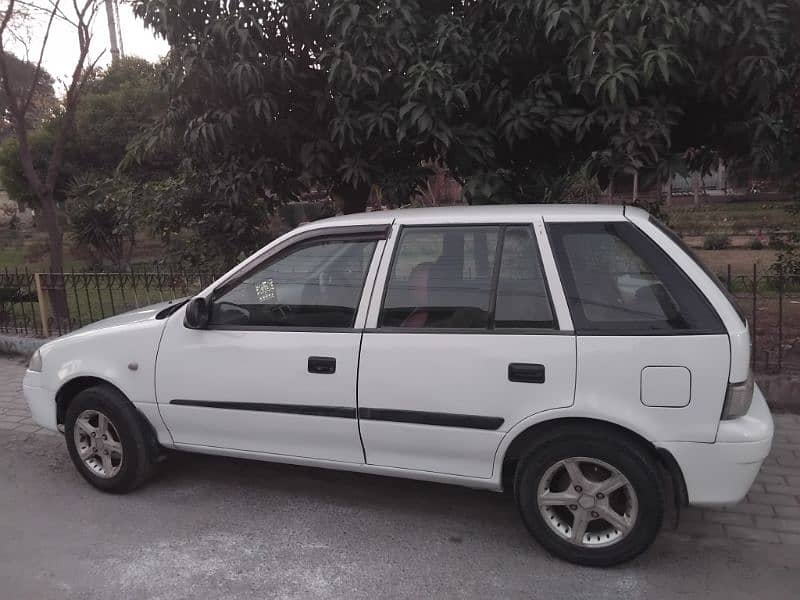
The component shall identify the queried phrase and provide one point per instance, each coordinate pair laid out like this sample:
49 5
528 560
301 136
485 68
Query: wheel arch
70 389
542 431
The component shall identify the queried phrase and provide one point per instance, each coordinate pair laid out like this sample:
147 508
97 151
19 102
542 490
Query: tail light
738 398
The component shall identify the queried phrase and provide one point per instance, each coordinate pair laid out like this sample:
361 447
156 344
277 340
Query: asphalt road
209 527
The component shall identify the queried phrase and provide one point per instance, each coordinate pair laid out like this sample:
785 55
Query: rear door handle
323 365
526 372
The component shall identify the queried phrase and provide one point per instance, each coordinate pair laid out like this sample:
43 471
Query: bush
102 218
756 244
787 263
716 241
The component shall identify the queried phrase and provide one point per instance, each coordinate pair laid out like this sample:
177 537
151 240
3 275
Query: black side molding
344 412
526 372
418 417
430 418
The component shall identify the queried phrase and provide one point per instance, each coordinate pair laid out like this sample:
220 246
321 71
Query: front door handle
323 365
526 372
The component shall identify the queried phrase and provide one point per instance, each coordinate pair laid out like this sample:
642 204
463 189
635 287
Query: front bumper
41 401
722 473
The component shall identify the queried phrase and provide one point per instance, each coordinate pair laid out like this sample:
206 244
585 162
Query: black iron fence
49 304
770 300
19 303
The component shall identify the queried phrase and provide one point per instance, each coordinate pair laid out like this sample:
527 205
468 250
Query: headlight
36 362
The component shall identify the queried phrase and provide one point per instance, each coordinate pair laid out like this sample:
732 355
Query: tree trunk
112 31
669 187
696 186
56 291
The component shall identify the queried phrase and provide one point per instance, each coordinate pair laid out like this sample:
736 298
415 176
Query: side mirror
198 312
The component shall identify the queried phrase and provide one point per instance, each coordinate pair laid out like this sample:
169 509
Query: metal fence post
44 308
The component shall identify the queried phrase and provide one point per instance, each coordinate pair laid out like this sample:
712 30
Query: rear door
462 342
652 352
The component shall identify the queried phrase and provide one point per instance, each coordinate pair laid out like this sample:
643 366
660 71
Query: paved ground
219 528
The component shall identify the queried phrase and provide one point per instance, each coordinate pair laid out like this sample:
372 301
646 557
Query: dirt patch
741 260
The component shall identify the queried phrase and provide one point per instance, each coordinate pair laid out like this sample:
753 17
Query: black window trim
568 282
490 328
346 233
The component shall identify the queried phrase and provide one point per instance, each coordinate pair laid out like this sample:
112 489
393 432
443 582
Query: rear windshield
713 276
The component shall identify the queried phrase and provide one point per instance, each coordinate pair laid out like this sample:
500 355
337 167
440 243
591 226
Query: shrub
716 241
756 244
101 217
787 263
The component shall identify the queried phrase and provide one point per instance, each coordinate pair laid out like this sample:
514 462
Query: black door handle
526 372
324 365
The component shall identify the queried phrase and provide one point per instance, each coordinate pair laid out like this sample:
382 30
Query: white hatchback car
577 355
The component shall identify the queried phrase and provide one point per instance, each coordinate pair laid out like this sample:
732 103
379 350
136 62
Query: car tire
108 440
598 483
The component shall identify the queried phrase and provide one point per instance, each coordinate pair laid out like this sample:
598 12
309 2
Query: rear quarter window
620 282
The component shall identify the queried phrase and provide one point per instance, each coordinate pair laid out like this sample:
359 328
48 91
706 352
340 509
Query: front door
275 370
464 345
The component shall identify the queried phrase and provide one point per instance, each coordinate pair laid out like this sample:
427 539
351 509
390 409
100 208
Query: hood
144 313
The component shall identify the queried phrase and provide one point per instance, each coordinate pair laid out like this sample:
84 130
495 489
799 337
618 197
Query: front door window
318 284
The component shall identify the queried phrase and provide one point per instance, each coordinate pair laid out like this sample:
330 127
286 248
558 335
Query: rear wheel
590 500
107 441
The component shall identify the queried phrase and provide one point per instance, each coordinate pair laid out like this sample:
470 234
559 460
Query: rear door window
441 278
467 277
618 281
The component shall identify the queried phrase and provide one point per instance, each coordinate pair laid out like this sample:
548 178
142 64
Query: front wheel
590 500
107 440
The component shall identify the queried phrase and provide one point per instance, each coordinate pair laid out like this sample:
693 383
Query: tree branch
7 17
60 13
38 72
79 75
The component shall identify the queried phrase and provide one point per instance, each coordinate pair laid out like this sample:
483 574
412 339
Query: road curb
23 346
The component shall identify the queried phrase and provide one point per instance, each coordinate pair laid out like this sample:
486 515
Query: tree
42 182
244 120
512 96
117 102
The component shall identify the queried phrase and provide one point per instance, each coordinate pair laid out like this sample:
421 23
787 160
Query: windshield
722 287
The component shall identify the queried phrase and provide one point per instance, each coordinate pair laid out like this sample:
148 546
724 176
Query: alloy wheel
98 443
587 502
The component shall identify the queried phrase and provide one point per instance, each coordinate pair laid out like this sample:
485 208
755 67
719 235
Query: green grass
15 252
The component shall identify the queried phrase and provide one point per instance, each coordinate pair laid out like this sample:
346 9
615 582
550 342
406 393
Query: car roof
488 213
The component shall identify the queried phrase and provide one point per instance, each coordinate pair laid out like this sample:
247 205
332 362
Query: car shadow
273 481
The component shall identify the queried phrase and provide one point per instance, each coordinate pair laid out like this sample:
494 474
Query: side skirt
490 484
